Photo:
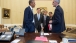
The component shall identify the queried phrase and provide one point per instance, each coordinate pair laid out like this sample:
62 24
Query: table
31 36
52 36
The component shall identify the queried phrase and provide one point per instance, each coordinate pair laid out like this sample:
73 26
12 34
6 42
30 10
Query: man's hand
42 29
50 21
36 30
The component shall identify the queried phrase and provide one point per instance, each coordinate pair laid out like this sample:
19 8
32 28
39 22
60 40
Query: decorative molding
0 15
43 0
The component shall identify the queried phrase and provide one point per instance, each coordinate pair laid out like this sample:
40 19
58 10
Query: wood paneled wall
17 10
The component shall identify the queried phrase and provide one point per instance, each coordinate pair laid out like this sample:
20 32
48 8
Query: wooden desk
31 36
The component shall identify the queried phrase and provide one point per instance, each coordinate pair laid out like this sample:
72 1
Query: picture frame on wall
5 13
43 9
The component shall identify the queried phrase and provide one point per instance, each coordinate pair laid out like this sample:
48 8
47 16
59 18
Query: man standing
28 22
38 20
58 23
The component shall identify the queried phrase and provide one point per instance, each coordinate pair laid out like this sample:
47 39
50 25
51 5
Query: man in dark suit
28 22
58 23
38 20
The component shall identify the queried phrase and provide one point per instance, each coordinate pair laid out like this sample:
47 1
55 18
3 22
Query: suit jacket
38 22
48 19
58 24
28 18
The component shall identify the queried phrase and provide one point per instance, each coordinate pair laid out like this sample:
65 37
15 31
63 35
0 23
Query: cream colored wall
17 10
0 3
47 4
0 12
69 7
0 15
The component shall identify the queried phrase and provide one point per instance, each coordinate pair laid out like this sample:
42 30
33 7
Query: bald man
58 23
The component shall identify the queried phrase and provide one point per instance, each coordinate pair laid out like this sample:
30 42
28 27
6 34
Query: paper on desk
15 41
62 42
16 29
41 39
3 36
46 33
52 41
8 32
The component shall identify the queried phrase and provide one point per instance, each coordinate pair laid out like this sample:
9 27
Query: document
46 33
41 39
8 33
16 29
52 41
16 41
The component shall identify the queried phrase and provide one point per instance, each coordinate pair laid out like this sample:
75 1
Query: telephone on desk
18 30
6 36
